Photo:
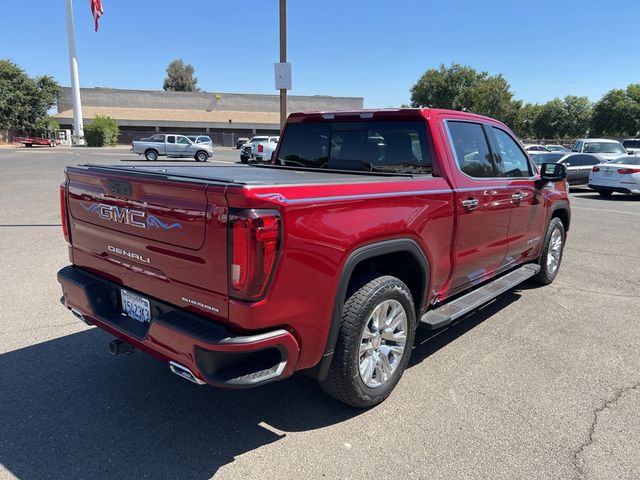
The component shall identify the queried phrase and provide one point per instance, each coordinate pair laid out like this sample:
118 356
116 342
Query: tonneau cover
252 175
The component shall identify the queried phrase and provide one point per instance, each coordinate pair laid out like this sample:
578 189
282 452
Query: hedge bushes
102 132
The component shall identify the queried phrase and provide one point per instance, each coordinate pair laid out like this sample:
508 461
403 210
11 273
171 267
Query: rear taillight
260 148
63 213
595 169
628 171
254 243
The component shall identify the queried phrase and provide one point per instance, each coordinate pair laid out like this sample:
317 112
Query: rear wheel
151 155
201 156
551 252
605 193
374 343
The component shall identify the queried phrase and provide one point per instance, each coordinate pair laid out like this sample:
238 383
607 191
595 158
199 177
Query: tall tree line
460 87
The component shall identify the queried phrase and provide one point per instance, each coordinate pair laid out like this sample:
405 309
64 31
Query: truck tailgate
166 238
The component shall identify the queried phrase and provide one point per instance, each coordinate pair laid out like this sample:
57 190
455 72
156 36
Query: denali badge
126 253
127 216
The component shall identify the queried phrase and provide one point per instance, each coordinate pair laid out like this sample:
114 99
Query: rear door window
471 149
171 139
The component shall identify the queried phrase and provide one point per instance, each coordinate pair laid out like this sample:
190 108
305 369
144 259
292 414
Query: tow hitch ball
119 347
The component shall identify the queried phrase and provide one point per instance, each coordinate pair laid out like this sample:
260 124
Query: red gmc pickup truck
366 225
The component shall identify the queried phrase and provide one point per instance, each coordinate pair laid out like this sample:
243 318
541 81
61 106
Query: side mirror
552 172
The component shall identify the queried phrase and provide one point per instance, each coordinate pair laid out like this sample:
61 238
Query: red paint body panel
321 225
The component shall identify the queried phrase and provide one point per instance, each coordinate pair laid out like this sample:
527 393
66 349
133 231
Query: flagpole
78 128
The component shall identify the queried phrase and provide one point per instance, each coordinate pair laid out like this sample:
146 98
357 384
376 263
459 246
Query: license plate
135 306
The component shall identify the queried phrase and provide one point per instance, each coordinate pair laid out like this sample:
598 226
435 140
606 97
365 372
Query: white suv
605 148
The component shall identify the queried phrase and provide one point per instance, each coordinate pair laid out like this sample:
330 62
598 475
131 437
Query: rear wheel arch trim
359 255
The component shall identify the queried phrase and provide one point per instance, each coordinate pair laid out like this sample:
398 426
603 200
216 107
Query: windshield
375 146
540 158
603 147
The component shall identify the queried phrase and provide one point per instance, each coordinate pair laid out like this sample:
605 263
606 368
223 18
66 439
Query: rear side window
512 160
171 139
471 149
378 146
573 161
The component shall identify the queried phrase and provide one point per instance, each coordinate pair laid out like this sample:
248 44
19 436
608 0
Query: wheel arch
360 268
562 211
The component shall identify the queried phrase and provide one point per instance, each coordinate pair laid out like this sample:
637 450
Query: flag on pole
96 11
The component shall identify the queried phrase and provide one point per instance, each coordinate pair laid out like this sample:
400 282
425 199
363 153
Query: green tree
527 120
460 87
24 100
102 132
577 116
551 122
180 77
617 112
45 125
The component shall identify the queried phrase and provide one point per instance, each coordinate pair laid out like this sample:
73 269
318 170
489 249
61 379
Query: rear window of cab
375 146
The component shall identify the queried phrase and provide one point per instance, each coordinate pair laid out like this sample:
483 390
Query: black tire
605 193
344 381
243 159
151 155
548 274
201 156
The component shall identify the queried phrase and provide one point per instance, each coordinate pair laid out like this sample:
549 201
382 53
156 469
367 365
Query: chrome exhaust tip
184 372
80 316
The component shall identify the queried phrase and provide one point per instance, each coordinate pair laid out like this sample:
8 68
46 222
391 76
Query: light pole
283 61
78 128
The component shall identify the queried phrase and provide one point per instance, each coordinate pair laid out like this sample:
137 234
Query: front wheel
552 251
374 343
201 156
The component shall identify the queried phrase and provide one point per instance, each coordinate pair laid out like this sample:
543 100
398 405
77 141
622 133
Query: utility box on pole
283 76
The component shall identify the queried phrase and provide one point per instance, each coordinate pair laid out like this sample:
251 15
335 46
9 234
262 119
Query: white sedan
621 175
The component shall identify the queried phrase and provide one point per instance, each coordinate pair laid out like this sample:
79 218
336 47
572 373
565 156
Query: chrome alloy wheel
382 343
554 252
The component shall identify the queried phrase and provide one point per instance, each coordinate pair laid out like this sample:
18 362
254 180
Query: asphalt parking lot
543 383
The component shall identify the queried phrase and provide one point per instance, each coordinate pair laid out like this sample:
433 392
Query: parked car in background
246 151
604 147
241 141
536 148
201 139
632 145
263 150
557 148
578 165
170 144
621 175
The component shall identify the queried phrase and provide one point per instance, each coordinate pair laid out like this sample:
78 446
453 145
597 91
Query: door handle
516 197
470 203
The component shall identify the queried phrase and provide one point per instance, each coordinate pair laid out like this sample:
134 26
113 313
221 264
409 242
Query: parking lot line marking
635 214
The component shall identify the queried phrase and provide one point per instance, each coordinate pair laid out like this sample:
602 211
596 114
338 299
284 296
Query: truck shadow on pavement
71 410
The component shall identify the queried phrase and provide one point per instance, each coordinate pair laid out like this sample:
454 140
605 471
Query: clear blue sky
376 49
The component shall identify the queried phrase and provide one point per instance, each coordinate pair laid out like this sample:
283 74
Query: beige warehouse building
223 116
